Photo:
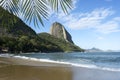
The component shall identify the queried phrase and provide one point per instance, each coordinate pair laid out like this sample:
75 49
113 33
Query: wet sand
12 69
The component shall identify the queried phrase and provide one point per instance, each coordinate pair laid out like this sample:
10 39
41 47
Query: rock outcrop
17 37
59 31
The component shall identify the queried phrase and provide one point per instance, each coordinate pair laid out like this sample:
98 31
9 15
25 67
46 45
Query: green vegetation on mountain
11 25
63 44
16 37
27 44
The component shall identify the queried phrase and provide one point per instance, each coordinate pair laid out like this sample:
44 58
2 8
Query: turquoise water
98 59
84 66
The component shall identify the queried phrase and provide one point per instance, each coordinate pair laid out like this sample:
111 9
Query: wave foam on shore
78 71
58 63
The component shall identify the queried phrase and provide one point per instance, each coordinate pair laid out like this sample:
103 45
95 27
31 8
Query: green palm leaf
35 10
10 5
64 4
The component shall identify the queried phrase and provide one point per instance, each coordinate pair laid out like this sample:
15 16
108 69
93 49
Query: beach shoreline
17 68
23 69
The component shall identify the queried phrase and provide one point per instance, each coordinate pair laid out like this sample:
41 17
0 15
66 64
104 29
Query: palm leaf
10 5
35 10
64 4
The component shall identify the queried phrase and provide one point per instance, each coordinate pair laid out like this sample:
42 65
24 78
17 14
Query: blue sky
91 23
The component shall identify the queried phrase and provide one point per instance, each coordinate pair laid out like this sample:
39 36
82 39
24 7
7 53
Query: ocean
103 60
60 66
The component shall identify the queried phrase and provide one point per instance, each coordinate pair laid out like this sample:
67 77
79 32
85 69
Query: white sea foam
82 71
41 60
92 72
96 67
68 63
6 55
62 62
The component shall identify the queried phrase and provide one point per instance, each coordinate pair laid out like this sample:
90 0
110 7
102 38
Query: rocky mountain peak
59 31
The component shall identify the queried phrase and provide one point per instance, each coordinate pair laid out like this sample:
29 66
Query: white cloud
108 27
100 38
60 13
96 19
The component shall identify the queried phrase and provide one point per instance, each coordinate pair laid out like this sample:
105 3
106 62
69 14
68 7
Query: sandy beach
12 68
18 69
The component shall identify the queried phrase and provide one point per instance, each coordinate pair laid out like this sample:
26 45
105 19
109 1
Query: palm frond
10 5
35 10
64 4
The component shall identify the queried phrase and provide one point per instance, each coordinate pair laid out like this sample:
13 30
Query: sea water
85 66
103 60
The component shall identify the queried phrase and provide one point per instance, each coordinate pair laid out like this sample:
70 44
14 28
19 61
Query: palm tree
35 10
